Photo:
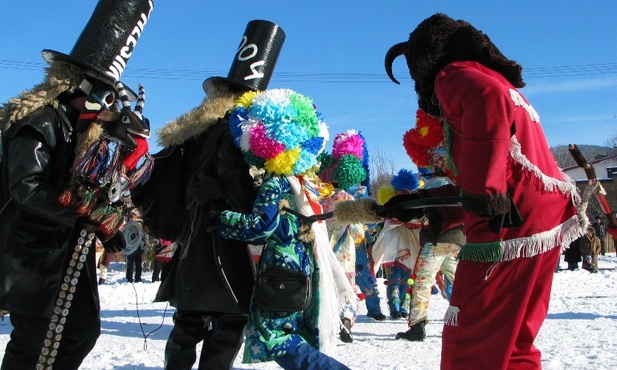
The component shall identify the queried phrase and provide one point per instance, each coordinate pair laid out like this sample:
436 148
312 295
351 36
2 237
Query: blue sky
334 53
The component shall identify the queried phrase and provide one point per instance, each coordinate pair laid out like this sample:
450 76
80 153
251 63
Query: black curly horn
394 52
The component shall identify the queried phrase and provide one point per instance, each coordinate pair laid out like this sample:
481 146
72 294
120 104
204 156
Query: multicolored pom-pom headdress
278 130
404 182
426 145
347 166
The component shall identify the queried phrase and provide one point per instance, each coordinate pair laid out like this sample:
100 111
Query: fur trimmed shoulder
60 77
198 120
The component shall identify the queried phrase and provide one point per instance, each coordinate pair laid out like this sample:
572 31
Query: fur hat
278 130
440 40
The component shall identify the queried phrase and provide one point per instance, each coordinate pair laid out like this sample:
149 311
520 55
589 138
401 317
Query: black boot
101 281
416 333
346 331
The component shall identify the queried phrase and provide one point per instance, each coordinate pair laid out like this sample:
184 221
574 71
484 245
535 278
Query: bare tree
382 170
611 141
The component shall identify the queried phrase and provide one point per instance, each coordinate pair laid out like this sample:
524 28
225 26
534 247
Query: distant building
605 166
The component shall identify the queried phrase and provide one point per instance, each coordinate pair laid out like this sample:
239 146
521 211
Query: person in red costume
519 208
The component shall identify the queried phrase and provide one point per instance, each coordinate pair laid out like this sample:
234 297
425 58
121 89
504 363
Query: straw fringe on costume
59 77
334 288
199 119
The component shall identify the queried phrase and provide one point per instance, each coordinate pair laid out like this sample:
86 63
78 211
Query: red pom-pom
361 296
385 282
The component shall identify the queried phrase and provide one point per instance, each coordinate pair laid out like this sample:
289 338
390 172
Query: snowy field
580 331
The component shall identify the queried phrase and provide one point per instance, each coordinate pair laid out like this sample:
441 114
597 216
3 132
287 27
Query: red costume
520 209
499 149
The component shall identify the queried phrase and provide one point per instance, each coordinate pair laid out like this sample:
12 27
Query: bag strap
5 205
261 258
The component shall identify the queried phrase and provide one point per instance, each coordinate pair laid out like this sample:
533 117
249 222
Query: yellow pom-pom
246 99
283 163
407 296
385 193
410 281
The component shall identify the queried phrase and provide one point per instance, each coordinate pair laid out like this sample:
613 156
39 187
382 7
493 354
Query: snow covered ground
580 331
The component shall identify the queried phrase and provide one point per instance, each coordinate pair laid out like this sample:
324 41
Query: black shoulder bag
282 289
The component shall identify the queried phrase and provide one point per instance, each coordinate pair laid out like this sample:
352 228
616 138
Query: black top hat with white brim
255 59
107 42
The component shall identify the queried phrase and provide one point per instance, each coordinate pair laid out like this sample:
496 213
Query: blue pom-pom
404 180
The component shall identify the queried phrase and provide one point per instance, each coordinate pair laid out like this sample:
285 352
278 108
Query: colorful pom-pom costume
280 130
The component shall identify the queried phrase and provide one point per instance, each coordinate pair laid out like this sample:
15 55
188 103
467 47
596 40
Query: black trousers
222 335
134 261
81 330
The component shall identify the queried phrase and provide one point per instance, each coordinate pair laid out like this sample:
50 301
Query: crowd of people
486 219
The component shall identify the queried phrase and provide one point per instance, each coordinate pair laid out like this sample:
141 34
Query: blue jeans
305 357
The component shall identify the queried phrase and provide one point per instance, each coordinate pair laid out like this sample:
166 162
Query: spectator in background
136 239
103 259
572 255
590 247
163 254
600 229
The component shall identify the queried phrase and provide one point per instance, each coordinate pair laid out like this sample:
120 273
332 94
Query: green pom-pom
253 160
350 171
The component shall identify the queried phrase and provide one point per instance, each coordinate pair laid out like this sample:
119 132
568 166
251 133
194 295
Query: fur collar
191 124
59 77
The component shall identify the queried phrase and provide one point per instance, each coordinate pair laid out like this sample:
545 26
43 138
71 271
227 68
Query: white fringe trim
451 317
565 186
529 246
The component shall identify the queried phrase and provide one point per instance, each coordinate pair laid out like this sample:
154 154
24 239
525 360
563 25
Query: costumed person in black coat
50 213
199 171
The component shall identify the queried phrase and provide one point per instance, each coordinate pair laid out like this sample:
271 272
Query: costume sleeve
480 109
29 174
264 221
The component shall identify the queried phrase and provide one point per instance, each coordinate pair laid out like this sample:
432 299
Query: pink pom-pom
346 143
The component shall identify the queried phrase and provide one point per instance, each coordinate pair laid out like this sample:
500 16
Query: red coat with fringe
500 151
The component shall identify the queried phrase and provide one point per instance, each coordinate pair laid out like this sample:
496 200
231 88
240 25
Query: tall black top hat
255 59
106 43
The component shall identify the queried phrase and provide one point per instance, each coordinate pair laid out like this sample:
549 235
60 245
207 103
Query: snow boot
345 333
416 333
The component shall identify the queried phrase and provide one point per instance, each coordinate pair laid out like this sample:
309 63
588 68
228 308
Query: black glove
211 217
114 244
507 220
394 208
